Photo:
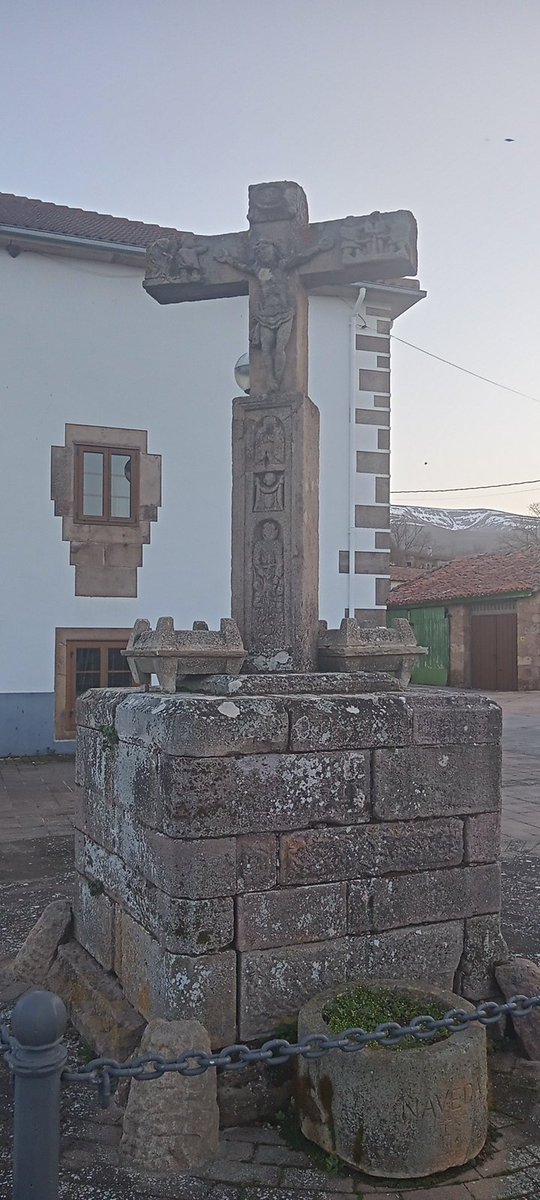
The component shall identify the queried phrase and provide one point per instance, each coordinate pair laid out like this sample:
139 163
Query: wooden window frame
67 642
82 448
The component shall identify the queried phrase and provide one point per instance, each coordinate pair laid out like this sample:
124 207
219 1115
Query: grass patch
365 1008
289 1127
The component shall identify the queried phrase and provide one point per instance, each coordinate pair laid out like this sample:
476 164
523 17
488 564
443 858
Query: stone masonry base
238 854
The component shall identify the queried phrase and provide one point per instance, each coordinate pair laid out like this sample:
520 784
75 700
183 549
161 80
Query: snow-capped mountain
459 518
439 534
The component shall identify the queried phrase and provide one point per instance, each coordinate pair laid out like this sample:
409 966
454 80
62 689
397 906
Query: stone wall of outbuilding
238 853
460 646
528 648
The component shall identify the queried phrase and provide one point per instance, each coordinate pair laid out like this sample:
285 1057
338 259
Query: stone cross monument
275 499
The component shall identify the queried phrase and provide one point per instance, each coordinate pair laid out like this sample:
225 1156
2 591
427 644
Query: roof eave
449 601
66 244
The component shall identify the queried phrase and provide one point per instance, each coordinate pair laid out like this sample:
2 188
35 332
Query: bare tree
525 533
407 541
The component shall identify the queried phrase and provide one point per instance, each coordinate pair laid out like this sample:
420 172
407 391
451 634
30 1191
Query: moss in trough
365 1008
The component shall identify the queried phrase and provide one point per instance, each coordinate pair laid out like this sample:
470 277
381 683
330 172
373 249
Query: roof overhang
16 240
396 295
450 603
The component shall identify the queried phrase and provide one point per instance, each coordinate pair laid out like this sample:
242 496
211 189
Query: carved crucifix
275 430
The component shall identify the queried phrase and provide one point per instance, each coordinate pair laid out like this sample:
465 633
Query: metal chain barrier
36 1053
101 1071
104 1073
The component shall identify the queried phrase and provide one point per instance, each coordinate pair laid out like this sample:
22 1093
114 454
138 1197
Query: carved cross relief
277 261
275 430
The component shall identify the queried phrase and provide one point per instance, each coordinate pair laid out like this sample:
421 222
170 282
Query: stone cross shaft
275 431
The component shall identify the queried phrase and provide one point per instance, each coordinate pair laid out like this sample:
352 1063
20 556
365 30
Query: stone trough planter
400 1114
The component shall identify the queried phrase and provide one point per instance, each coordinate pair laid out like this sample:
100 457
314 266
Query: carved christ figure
273 316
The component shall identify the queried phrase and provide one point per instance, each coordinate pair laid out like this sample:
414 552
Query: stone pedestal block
238 852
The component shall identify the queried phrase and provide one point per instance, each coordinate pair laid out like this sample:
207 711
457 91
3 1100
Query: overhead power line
475 375
476 488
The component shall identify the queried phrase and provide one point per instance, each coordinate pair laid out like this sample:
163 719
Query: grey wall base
27 725
236 855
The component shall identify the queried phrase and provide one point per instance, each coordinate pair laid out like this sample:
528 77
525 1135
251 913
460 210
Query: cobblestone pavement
258 1163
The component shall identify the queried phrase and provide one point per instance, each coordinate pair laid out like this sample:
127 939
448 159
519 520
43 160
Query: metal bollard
37 1059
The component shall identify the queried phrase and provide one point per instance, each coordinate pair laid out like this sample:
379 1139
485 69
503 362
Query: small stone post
37 1059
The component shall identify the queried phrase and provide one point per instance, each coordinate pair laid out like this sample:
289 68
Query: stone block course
94 917
100 819
324 855
195 870
137 783
274 983
359 906
95 761
422 953
420 898
350 722
483 837
206 727
289 916
256 862
455 719
433 781
181 986
216 797
97 708
181 925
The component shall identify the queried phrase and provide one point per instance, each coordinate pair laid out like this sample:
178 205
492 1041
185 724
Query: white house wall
80 342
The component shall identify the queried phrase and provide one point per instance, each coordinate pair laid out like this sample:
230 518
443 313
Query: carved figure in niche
269 442
267 579
403 235
159 257
275 307
176 258
186 265
365 237
268 491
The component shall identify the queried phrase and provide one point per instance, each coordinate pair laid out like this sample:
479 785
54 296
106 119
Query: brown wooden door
494 652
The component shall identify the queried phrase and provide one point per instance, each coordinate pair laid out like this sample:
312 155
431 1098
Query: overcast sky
165 110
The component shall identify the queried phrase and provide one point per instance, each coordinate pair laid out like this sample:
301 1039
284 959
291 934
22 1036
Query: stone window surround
105 554
63 637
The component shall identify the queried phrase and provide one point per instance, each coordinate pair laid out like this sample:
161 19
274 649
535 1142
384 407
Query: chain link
104 1073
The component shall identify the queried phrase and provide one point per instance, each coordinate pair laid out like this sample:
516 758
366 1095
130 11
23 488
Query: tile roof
404 574
23 213
469 578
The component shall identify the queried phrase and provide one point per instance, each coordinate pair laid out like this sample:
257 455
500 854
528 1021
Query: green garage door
431 627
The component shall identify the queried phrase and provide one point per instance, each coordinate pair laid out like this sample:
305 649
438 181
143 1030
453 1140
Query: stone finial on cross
275 430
